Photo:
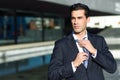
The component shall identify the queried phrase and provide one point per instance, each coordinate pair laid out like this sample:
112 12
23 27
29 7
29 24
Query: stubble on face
80 30
79 21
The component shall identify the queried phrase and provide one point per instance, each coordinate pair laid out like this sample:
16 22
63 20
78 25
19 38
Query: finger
85 55
85 58
82 43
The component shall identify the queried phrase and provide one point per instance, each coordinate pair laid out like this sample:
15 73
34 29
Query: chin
77 32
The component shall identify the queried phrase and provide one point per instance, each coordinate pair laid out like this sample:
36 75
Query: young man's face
79 21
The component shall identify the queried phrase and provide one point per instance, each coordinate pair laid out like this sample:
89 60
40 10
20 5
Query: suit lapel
92 40
71 43
73 47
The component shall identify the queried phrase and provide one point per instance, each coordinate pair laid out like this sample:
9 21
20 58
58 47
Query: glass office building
24 29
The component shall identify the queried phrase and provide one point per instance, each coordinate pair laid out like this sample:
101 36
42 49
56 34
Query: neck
81 35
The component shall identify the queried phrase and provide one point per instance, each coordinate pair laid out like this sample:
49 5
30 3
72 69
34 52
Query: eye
72 18
79 17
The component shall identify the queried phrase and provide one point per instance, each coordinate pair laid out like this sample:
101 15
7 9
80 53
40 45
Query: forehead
77 12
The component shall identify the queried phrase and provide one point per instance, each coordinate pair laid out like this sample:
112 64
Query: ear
88 19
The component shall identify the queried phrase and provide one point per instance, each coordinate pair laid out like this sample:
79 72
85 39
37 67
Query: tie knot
76 40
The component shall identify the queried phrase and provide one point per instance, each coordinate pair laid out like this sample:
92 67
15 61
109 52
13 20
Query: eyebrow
77 17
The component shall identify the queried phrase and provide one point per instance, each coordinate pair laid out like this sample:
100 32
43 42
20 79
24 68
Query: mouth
76 27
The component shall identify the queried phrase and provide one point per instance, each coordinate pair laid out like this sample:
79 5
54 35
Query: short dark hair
80 6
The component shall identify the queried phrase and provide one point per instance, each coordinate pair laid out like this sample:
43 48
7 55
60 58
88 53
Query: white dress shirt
80 48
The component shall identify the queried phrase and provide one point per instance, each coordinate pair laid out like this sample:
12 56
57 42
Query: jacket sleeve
104 57
57 69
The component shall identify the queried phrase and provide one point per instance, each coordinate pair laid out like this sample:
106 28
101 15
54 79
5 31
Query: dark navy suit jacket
65 51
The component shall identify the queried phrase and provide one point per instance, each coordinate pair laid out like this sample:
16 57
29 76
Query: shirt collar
75 37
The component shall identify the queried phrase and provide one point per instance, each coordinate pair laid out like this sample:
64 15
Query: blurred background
29 28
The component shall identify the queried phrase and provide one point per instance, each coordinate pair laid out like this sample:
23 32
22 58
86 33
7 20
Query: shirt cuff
94 56
73 67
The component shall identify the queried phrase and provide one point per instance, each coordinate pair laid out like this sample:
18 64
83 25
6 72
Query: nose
75 21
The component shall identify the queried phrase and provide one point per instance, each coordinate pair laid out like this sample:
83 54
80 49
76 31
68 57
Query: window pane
6 30
52 28
30 29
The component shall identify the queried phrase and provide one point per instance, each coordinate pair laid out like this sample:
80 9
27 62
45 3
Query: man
81 55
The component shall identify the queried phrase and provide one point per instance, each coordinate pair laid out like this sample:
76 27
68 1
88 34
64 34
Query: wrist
75 65
94 52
